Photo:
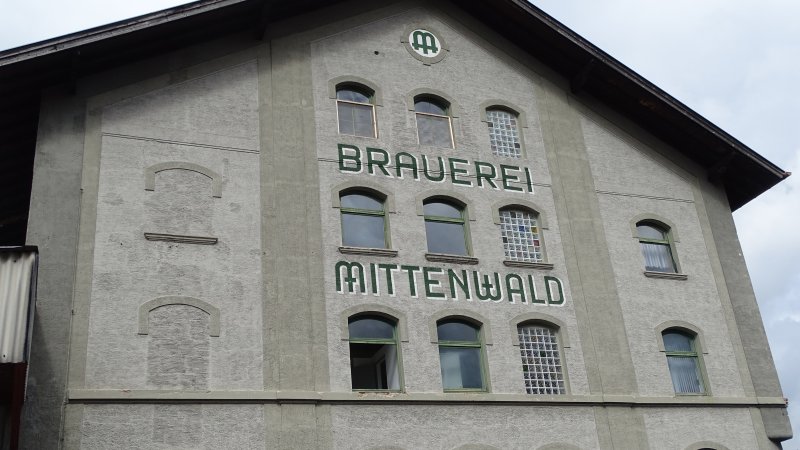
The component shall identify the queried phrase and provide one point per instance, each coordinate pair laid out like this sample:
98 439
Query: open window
434 122
461 355
356 110
374 353
363 219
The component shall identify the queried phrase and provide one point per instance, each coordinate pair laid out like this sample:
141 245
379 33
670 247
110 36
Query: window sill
181 239
368 251
527 264
455 259
666 275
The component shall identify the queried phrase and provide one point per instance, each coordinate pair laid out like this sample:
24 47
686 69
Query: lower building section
386 424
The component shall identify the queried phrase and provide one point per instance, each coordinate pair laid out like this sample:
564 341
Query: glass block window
521 236
684 362
503 134
541 361
356 112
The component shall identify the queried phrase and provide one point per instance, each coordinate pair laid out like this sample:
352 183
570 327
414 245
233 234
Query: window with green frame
461 355
683 361
363 220
374 359
445 227
656 244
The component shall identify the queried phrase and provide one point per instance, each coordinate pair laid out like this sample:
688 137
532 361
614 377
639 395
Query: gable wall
261 118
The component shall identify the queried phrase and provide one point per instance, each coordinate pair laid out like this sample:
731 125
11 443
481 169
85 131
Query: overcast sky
736 62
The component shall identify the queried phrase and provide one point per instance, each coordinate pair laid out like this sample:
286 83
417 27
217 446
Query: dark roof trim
131 25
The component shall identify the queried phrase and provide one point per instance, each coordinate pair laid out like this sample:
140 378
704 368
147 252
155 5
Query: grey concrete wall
53 227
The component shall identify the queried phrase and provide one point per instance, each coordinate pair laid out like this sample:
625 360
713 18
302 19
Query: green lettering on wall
350 278
481 175
379 163
411 165
426 170
431 283
550 300
373 276
412 281
532 288
454 171
509 178
512 291
490 291
462 283
388 269
354 159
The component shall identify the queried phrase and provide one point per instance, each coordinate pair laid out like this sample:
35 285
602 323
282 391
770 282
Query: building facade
382 226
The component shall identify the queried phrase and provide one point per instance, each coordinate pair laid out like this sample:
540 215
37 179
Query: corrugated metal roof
18 267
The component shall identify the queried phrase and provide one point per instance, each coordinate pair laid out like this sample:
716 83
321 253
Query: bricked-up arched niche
178 348
150 175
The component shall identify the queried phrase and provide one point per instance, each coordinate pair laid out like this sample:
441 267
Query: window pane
446 238
457 331
520 234
374 366
541 362
361 201
426 106
356 120
503 136
650 232
371 328
461 368
363 231
657 257
685 374
441 209
434 131
678 342
352 96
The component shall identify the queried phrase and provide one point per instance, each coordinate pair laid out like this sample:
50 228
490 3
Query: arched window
656 244
542 366
356 111
461 355
519 230
373 353
363 220
434 124
445 227
503 133
683 360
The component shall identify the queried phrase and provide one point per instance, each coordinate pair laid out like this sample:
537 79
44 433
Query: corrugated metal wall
17 284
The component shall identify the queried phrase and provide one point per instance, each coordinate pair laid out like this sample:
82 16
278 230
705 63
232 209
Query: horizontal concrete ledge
528 265
666 275
181 239
368 251
157 396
